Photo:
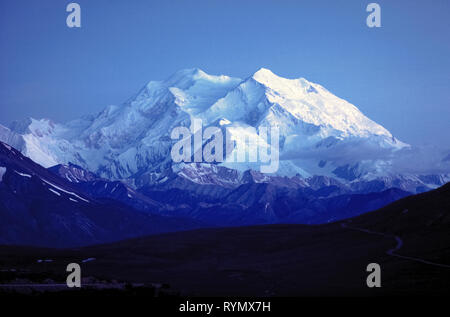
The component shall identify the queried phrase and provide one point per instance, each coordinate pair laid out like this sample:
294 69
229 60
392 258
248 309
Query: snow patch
54 192
115 187
23 174
2 172
65 191
88 260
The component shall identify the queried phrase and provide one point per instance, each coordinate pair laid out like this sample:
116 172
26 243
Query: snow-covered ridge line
54 192
65 191
23 174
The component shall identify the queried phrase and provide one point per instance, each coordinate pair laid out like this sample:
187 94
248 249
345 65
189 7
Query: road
397 247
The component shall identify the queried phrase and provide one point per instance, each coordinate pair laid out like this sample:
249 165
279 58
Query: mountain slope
267 202
102 188
38 207
421 220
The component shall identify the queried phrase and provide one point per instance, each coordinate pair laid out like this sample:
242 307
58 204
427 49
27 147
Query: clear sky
398 74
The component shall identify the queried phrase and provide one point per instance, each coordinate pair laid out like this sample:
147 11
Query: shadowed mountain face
66 205
276 200
38 207
278 260
102 188
265 203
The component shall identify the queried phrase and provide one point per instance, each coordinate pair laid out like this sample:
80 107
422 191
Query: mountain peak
268 78
188 76
263 75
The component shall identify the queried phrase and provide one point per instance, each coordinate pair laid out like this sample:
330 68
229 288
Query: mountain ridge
38 207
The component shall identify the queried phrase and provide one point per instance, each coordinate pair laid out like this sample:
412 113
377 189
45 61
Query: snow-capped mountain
320 134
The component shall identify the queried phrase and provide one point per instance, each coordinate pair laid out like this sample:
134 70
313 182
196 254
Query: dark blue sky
398 75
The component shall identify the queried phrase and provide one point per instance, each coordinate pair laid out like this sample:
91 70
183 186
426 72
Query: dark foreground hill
409 239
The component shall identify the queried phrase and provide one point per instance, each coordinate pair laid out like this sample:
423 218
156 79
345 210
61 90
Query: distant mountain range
110 176
65 205
320 134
